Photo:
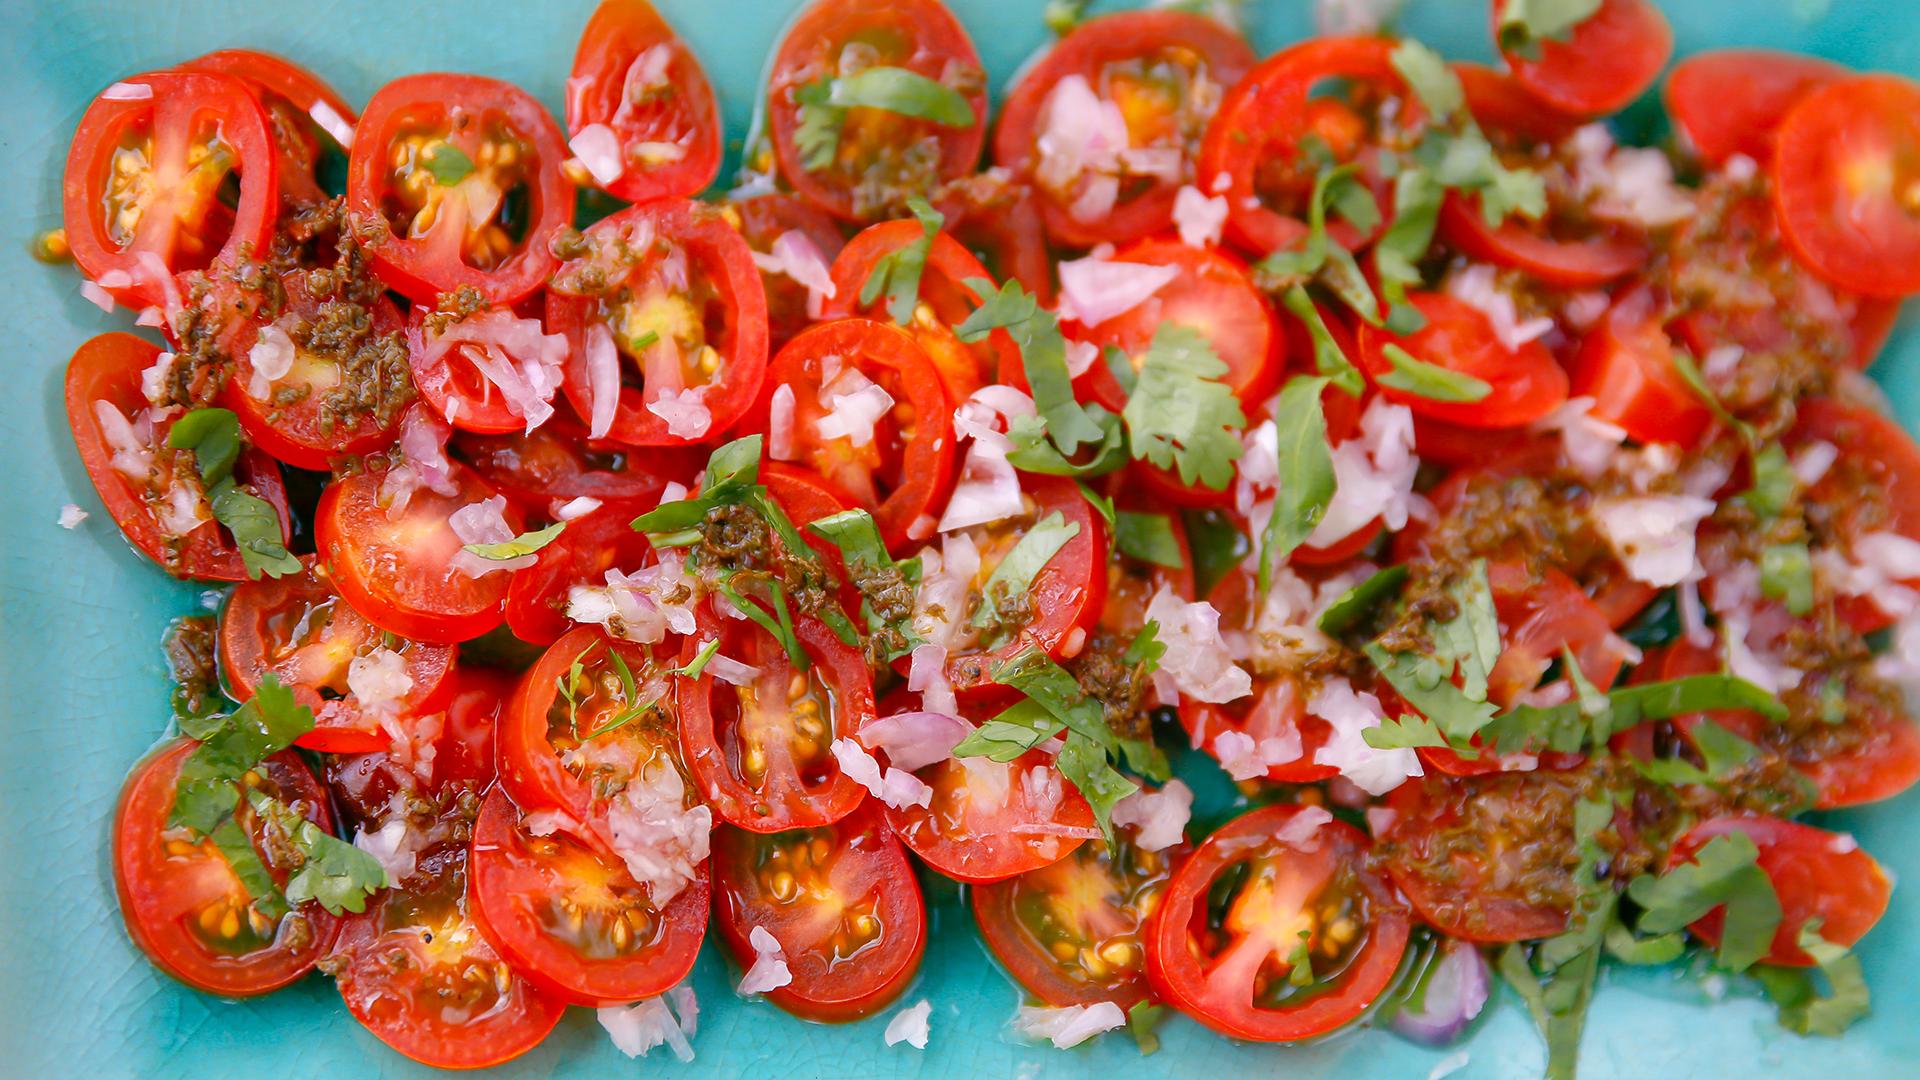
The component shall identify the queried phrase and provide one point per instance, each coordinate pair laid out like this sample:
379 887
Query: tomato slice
1268 891
760 752
1274 715
842 902
574 921
1070 933
461 177
182 902
1729 101
1162 74
763 220
635 77
998 218
142 192
1626 366
556 463
1532 247
666 297
1544 616
122 441
1874 486
435 759
1844 178
1815 873
299 629
880 157
1506 112
398 570
1527 382
462 360
308 116
602 540
1603 64
989 821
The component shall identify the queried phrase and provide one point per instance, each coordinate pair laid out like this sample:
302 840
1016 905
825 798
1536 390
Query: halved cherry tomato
1845 173
879 157
998 218
139 477
182 902
1606 61
1534 248
763 220
397 570
306 114
663 310
1816 875
1874 487
1544 616
634 77
1506 112
589 546
435 759
760 753
141 194
1729 101
1163 73
1268 892
1275 714
989 821
1071 933
1527 382
898 463
461 176
460 363
298 629
840 899
573 920
557 463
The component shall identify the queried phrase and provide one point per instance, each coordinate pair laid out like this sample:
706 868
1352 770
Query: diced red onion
598 150
127 91
1093 290
1456 986
915 740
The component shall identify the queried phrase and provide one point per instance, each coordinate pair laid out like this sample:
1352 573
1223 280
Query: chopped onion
603 380
379 680
895 787
1199 217
794 254
1653 534
1158 817
638 1028
780 424
927 676
769 970
127 91
598 150
853 407
574 508
1450 992
909 1025
1070 1026
915 740
71 516
1196 659
332 123
516 355
97 296
270 358
1302 830
988 489
686 415
1093 290
1350 714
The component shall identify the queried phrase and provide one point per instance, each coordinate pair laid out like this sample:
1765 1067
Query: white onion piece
1093 290
914 740
603 380
127 91
1159 817
598 150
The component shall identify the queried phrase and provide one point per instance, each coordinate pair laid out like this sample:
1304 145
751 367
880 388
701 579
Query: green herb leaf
1774 483
1722 751
817 135
1033 452
1334 185
1181 416
1524 24
1307 481
1148 537
1558 1006
1013 731
1043 355
525 544
336 874
865 556
1786 575
1217 545
693 668
1328 358
1431 80
1142 1020
732 471
1623 946
1426 685
1406 733
232 745
255 526
237 848
895 90
1300 961
1430 381
1724 872
448 164
213 436
1416 201
1563 728
1358 602
1803 1009
898 272
1084 763
1145 648
1015 573
1696 380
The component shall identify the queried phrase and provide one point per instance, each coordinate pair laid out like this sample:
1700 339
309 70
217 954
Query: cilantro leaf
1803 1009
1623 945
525 544
1472 638
1142 1020
1181 416
1335 185
236 847
693 668
1355 604
1723 872
898 272
1084 763
1013 731
1032 452
448 164
213 435
268 723
1405 733
1147 537
1696 380
1015 573
1043 356
1328 358
1431 80
1563 727
1425 684
1146 647
336 874
1786 575
1307 481
1524 24
1416 201
1430 381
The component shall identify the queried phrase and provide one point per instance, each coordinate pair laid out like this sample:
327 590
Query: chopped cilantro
1181 416
1307 481
335 874
1328 358
1773 481
213 437
897 273
1142 1020
525 544
693 668
1803 1009
1724 872
1356 603
1786 575
1043 354
1146 647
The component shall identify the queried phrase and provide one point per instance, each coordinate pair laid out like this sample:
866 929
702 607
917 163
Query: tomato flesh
634 76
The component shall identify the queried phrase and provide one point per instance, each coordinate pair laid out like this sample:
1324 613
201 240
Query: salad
1300 539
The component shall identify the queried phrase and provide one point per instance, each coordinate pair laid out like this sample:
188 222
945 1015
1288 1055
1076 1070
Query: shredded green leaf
1307 481
898 272
1358 602
1328 358
1430 381
1724 872
1524 24
213 437
1803 1009
1786 575
334 873
1043 354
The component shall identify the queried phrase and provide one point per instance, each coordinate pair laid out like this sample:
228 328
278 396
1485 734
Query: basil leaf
1724 872
1328 358
1307 481
1430 381
213 436
1084 763
525 544
1181 416
1015 730
898 272
448 164
1563 728
255 526
1043 356
896 90
1147 537
1358 602
732 471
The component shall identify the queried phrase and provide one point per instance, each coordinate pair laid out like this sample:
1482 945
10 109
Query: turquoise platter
83 689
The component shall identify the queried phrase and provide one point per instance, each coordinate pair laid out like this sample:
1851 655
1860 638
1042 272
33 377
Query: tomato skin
557 463
974 843
1842 177
763 219
686 115
866 867
296 102
1527 383
156 893
107 368
1605 62
1729 101
1815 873
1214 49
1210 990
1000 221
397 573
512 874
180 104
1572 264
1464 906
585 550
424 267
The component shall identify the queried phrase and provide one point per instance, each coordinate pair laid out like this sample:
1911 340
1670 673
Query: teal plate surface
83 690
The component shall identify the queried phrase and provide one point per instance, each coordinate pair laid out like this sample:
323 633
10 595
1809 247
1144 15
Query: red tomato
633 76
842 903
556 463
1533 248
585 550
1729 101
1458 446
999 220
306 114
1844 181
667 293
1527 382
398 571
1164 72
901 468
447 359
1877 455
463 751
142 196
1815 873
1274 715
104 377
763 220
1455 848
182 902
447 753
1506 111
461 177
1070 933
297 628
989 821
1223 944
760 753
880 157
1604 63
1541 617
807 497
573 921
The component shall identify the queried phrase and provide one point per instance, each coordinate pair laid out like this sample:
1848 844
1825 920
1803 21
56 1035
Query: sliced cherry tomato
1729 101
1270 891
306 114
1543 617
142 193
1532 247
1506 112
575 921
1070 933
989 821
1605 62
152 490
878 157
589 546
1844 183
1274 715
637 81
298 628
1162 74
998 218
760 753
763 220
1874 487
436 758
461 177
557 463
1527 383
184 905
842 902
1816 875
664 310
463 361
399 570
895 459
1626 366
